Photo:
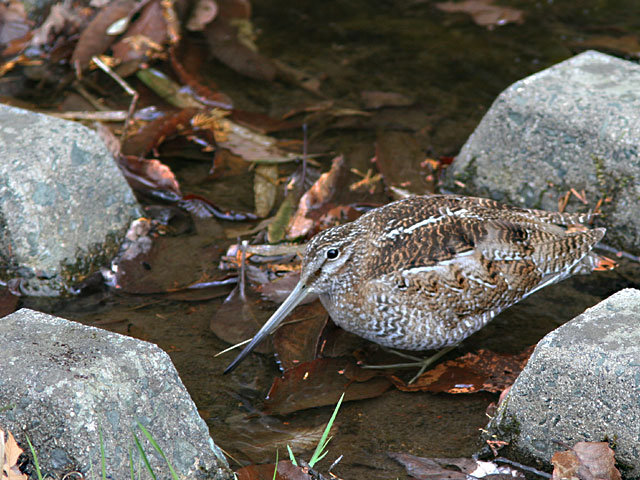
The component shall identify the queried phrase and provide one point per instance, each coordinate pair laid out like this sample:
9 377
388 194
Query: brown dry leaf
484 13
265 188
144 37
320 383
317 196
585 461
9 454
95 40
297 341
483 371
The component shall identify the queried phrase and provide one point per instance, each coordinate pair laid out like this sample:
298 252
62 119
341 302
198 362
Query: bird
425 272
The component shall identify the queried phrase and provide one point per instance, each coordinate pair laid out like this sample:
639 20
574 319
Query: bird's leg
422 363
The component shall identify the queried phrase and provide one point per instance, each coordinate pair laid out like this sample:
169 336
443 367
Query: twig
522 467
125 86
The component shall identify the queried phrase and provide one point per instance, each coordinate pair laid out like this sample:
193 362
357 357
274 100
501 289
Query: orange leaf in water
483 371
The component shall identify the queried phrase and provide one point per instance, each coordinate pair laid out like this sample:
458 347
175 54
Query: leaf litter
144 39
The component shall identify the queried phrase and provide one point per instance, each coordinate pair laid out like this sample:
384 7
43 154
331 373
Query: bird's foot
418 362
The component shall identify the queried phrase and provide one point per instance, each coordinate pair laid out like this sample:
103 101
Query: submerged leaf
483 371
322 382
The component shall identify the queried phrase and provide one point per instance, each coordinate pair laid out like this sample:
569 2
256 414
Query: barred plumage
428 271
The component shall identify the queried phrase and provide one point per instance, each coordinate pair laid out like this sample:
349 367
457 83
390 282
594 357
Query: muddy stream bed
451 69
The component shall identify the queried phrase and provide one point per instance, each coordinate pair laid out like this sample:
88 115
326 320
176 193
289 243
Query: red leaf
485 370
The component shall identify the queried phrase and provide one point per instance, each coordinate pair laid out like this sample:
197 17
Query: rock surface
574 125
64 205
64 384
582 383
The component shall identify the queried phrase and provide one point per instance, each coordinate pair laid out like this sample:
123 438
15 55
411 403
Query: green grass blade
35 458
143 455
275 470
291 457
103 460
319 453
152 441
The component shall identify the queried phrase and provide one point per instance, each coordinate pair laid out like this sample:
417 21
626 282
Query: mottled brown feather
426 272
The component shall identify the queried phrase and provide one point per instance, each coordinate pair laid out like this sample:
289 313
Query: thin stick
125 86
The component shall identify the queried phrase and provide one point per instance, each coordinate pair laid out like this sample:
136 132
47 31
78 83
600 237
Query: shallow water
453 69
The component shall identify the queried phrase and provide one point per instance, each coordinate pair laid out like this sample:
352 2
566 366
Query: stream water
453 69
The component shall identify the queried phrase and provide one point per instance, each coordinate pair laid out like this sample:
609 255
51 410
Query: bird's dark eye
332 253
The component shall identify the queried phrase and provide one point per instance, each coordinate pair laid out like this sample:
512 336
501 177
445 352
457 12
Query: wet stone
64 205
574 125
582 383
65 384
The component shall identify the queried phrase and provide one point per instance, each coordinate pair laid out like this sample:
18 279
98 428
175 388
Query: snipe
426 272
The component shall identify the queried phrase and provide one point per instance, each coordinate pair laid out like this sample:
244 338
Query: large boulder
64 205
574 125
67 386
582 383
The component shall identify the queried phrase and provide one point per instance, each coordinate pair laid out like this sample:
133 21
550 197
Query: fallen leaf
166 264
149 174
312 202
296 341
9 454
239 319
320 383
482 371
94 39
203 93
585 461
265 188
422 468
146 36
157 131
484 13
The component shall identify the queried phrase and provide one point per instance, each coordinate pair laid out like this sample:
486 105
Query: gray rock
65 384
64 205
582 383
574 125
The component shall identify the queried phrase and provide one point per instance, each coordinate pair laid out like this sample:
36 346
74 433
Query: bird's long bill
294 298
